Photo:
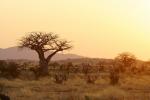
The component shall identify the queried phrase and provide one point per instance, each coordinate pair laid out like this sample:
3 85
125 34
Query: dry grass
109 93
130 88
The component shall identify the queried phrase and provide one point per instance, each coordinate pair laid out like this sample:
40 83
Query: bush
9 70
91 78
13 69
60 78
3 66
86 68
61 74
90 73
35 70
27 75
114 75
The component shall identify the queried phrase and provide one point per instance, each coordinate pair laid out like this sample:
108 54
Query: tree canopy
43 42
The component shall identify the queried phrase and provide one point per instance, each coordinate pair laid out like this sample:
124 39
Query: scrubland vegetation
80 79
122 78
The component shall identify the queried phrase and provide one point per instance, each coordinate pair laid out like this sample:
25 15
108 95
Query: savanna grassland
80 83
135 88
74 49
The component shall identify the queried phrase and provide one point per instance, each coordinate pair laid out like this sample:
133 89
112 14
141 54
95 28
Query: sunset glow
97 28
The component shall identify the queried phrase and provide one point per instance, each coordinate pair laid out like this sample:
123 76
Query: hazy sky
97 28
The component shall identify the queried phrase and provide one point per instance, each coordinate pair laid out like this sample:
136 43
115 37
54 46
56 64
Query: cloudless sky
97 28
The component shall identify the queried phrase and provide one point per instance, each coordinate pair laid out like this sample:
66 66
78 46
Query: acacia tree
43 42
126 60
121 63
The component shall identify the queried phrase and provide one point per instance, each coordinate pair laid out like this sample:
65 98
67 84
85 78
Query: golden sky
97 28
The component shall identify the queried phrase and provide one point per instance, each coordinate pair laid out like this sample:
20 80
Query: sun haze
97 28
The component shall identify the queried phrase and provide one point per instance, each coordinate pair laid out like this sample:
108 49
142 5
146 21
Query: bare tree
43 42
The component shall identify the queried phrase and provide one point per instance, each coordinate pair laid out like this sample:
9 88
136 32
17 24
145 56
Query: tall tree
43 42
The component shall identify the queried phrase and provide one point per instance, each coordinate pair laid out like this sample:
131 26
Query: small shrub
86 68
35 70
114 75
61 74
27 75
13 69
3 66
90 73
9 70
91 78
60 77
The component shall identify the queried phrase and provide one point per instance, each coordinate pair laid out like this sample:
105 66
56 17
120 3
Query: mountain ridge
14 53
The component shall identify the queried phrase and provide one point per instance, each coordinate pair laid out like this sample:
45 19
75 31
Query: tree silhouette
43 42
126 60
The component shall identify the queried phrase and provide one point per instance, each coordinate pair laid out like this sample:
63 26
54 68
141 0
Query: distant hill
91 61
14 53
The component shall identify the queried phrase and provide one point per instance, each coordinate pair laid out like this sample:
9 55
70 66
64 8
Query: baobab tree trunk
43 63
43 70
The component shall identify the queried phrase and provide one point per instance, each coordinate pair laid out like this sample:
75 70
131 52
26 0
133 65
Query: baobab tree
43 42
